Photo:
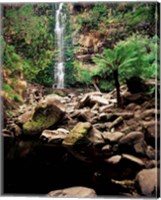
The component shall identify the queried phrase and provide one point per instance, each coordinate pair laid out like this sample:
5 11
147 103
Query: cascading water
59 33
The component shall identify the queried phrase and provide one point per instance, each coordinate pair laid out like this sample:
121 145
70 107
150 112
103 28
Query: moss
43 118
77 133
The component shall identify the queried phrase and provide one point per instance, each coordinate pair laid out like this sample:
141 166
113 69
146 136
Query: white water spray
59 33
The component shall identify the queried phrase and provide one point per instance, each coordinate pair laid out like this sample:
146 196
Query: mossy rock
79 132
43 118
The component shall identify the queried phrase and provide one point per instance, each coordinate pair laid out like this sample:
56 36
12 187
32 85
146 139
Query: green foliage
13 61
29 30
136 56
70 78
106 85
17 98
83 76
6 88
10 94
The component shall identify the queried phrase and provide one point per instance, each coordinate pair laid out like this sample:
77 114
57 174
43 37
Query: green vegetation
29 41
134 56
119 41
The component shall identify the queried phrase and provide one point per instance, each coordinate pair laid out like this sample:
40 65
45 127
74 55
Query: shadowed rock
147 181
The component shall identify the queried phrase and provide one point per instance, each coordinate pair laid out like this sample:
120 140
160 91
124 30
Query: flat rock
107 147
150 112
114 159
77 192
86 99
133 159
99 100
131 106
85 114
105 108
131 138
54 135
125 115
90 99
112 136
147 182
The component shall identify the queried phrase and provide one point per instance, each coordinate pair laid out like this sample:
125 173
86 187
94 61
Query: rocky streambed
83 146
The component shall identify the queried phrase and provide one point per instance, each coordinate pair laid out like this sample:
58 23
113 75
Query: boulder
147 182
77 134
77 192
149 113
140 147
46 114
90 99
131 106
83 115
54 136
131 138
112 136
95 136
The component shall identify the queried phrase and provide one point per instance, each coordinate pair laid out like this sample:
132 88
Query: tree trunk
117 86
96 87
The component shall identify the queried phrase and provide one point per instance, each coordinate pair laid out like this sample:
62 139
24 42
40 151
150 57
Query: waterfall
59 34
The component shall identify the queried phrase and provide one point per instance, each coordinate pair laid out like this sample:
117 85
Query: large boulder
77 134
77 192
47 113
147 182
